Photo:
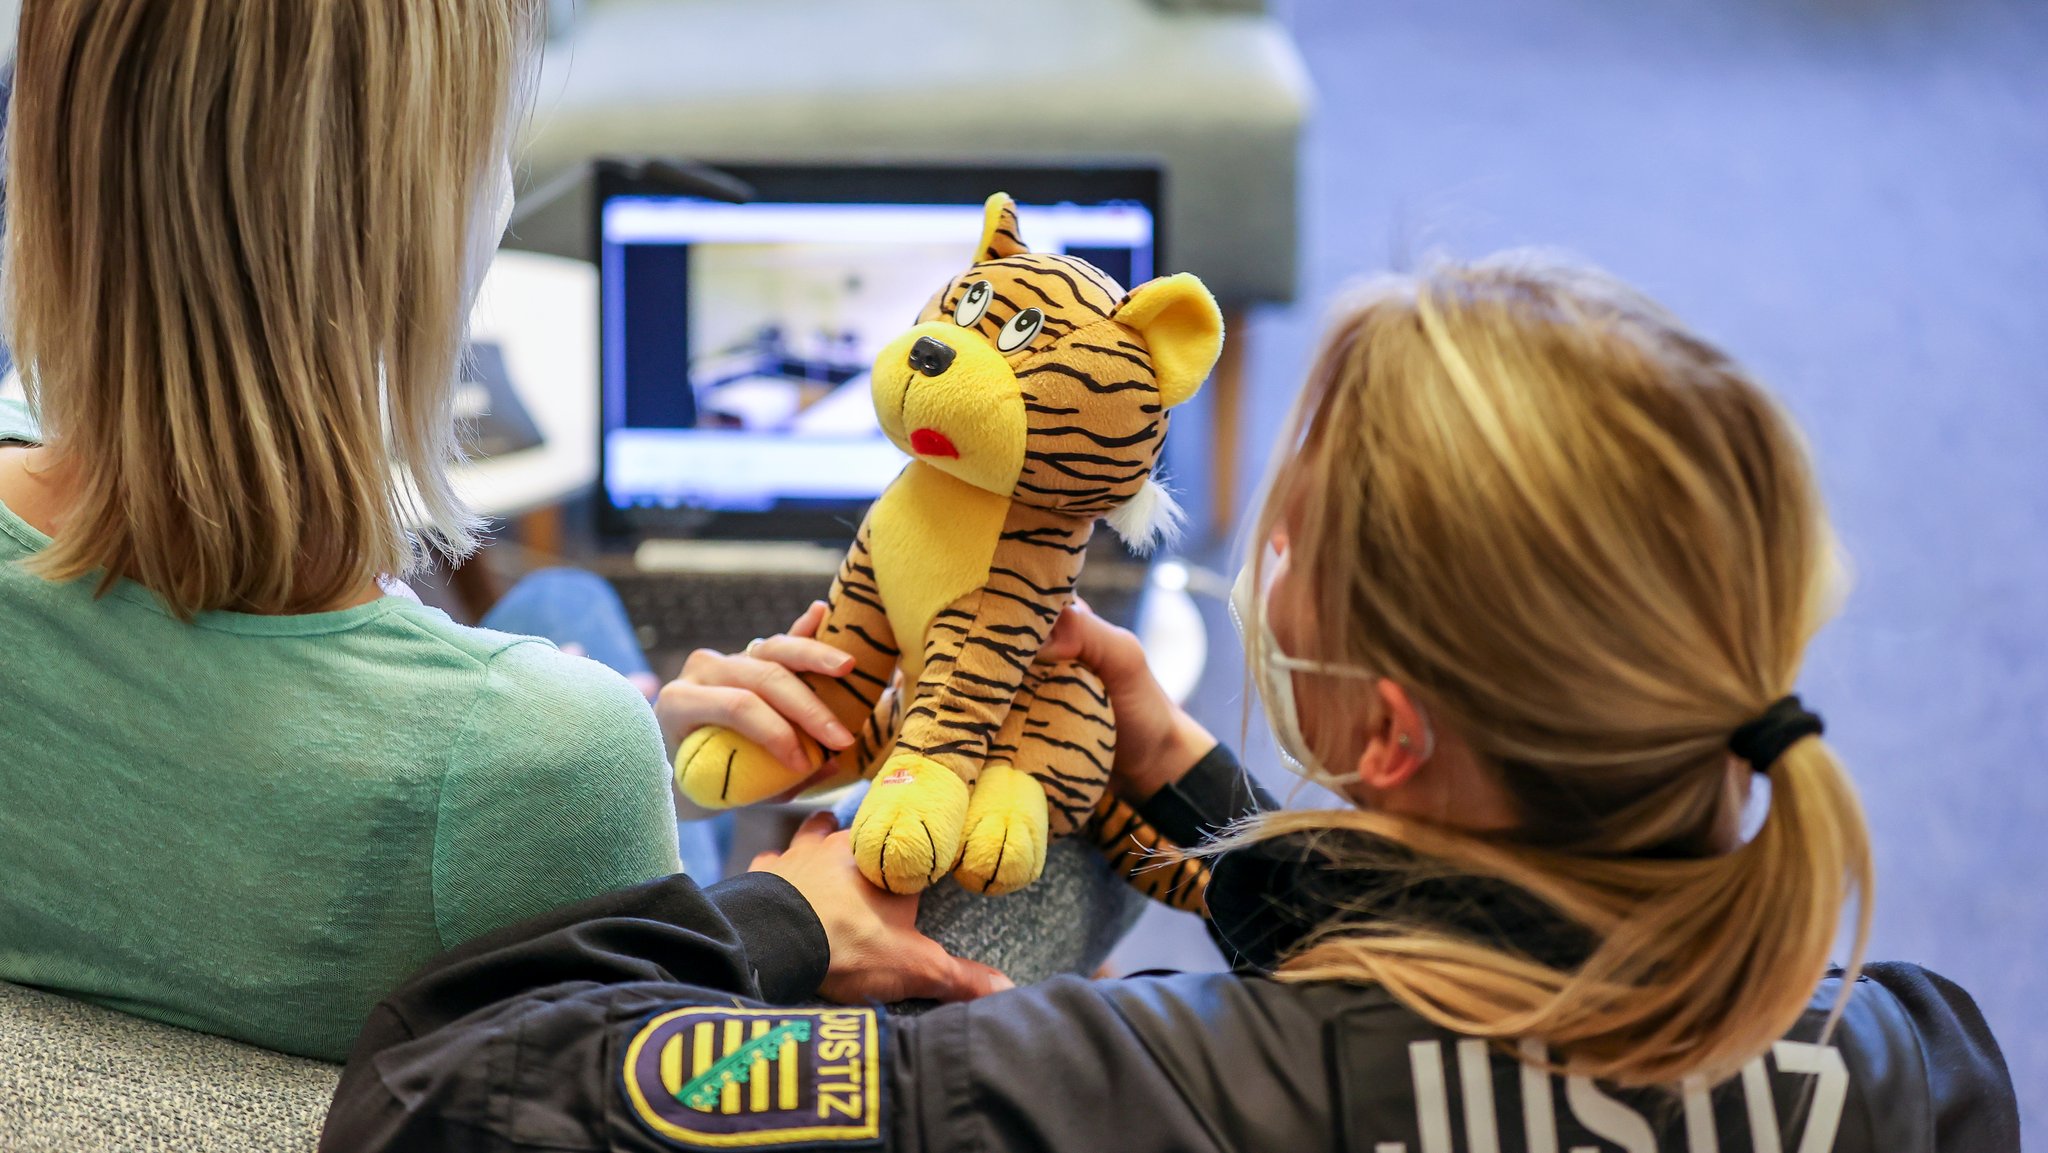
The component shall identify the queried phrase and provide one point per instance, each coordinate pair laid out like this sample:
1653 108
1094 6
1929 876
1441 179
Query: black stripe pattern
1091 398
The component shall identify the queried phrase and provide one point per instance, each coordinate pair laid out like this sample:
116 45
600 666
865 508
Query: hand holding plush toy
1033 397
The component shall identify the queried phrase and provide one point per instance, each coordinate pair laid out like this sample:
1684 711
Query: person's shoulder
534 670
1921 1046
525 671
1192 1017
1899 994
557 789
468 644
550 712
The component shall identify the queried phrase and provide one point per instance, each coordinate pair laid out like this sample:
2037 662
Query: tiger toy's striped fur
1032 396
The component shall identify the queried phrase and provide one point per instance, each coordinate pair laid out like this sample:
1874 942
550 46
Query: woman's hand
877 952
758 693
1157 742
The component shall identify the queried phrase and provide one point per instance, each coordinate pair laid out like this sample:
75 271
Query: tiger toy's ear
999 235
1183 328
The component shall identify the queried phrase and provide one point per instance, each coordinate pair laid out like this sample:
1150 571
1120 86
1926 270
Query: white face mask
487 231
1274 671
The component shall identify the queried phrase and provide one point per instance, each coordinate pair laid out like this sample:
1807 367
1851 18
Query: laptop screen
736 338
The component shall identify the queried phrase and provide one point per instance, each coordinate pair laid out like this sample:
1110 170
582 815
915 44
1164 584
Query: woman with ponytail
1533 579
1572 556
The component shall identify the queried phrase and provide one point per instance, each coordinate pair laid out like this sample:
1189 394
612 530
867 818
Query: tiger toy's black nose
931 357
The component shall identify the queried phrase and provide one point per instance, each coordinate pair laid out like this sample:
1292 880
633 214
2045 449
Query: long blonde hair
1593 547
236 264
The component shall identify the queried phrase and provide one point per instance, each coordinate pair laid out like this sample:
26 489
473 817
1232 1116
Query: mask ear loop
1428 734
1428 738
1297 664
1262 652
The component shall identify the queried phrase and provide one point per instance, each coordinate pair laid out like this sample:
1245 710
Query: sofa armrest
1247 7
78 1076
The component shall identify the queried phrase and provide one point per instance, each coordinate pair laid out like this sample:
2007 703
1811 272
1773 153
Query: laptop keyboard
674 613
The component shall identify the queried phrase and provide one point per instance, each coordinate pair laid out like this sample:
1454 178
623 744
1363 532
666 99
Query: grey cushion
1219 97
75 1076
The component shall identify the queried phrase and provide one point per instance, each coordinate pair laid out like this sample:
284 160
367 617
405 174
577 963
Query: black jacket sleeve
425 1072
1213 795
1209 798
529 1040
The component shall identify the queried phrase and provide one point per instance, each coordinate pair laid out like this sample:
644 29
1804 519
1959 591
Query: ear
1399 742
999 235
1182 327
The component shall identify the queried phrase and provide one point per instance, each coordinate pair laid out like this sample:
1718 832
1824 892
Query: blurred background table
541 311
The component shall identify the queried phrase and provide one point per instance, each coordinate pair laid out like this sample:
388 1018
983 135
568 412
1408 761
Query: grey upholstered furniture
1212 88
76 1077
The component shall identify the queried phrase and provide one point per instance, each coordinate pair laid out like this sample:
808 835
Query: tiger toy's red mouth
932 442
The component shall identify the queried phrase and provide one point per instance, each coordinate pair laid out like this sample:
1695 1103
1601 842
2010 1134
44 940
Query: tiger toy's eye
973 303
1020 330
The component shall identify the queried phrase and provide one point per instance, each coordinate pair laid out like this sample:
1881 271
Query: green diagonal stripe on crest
701 1091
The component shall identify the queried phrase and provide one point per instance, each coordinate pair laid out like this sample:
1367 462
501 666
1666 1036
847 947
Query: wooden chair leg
476 587
1226 401
541 531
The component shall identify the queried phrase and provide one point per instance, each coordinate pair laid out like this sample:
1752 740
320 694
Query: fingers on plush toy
1033 397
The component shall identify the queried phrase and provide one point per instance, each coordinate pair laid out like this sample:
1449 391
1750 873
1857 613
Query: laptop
739 316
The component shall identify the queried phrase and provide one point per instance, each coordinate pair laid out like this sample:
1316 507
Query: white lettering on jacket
1607 1117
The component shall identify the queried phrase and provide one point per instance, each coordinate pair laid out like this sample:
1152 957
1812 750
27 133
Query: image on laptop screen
737 338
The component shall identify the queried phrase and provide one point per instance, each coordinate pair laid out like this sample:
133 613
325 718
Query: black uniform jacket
666 1017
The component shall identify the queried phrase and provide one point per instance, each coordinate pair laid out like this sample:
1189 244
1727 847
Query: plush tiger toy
1032 397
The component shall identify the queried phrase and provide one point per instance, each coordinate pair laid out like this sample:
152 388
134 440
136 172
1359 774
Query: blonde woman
1543 565
242 788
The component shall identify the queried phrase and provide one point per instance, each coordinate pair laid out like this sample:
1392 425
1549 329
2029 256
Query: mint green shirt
257 826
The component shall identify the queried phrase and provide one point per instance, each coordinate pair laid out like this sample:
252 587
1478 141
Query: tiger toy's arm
1152 863
952 791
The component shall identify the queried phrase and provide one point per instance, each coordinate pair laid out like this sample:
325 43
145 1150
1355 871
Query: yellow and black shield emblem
707 1077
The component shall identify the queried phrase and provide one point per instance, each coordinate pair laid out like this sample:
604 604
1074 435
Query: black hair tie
1762 741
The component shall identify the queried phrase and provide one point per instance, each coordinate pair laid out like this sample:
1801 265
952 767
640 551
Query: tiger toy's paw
1006 831
907 832
720 769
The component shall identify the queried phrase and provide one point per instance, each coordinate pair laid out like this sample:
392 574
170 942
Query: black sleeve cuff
784 939
1212 795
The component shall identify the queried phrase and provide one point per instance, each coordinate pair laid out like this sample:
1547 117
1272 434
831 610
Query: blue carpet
1853 199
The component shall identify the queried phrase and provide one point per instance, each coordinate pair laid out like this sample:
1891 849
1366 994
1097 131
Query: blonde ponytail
1592 547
